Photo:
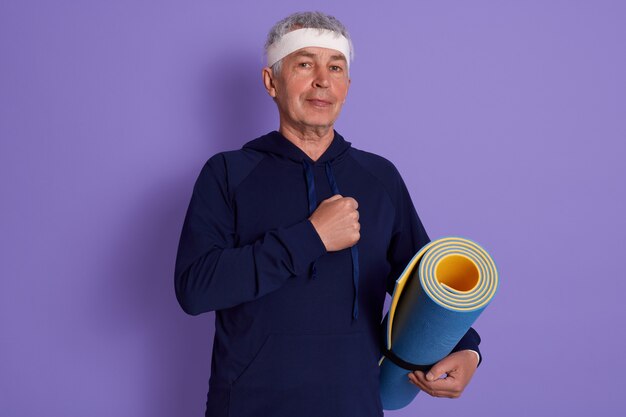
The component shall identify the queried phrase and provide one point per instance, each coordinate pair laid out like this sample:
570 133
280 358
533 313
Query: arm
410 236
211 273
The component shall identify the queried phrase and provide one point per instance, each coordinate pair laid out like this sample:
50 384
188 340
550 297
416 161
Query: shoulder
230 168
381 168
232 161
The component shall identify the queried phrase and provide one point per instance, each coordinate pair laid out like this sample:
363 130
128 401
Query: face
310 89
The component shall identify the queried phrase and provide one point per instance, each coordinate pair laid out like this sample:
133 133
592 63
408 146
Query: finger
445 366
421 379
418 380
449 387
353 203
435 373
335 197
422 382
450 391
418 375
434 392
424 377
436 384
458 368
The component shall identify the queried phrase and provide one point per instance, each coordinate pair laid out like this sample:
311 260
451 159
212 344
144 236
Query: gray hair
305 20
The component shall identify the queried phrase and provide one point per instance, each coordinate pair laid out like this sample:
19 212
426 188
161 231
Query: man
298 287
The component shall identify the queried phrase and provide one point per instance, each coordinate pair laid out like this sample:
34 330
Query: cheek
295 93
342 89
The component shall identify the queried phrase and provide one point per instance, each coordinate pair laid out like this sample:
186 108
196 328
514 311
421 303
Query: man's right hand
336 221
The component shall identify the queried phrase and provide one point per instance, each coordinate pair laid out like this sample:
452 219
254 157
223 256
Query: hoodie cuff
470 341
477 356
304 245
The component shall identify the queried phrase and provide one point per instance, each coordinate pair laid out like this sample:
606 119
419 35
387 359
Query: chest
279 196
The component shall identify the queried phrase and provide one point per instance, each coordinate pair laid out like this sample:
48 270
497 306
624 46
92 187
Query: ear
268 81
347 89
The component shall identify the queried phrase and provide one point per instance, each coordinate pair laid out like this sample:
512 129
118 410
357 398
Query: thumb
438 370
335 197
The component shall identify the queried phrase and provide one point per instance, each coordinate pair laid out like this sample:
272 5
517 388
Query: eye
336 68
304 64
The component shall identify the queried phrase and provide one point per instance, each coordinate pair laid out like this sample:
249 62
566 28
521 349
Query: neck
312 141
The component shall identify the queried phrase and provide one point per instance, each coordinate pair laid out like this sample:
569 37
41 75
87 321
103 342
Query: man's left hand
459 367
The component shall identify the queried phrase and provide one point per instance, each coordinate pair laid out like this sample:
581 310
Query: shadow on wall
137 301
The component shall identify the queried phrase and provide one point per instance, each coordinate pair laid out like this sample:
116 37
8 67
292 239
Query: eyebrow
339 57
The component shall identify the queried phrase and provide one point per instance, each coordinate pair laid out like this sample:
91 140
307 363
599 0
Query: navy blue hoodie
297 328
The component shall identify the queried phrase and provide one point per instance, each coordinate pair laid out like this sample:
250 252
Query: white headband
302 38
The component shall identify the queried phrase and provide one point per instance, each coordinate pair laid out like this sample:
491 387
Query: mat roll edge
436 299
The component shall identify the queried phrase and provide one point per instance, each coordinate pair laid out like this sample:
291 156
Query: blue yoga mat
438 296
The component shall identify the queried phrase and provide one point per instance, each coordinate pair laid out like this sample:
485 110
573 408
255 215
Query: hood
275 143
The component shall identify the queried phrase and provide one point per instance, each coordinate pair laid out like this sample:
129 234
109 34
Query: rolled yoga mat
438 296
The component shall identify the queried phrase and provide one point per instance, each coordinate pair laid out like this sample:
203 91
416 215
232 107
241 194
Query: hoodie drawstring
310 186
354 251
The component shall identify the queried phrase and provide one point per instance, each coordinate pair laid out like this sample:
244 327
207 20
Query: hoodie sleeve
408 237
211 272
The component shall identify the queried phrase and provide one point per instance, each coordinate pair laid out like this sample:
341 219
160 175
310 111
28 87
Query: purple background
506 119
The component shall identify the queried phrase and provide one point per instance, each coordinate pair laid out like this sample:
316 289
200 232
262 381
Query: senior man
294 240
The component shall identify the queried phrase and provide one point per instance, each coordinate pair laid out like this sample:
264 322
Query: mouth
317 102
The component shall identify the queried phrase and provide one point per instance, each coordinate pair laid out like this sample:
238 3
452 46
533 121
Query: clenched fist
336 221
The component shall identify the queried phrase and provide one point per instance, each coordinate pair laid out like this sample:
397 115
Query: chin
320 121
319 124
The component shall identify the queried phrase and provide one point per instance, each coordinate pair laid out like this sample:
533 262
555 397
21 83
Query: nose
321 78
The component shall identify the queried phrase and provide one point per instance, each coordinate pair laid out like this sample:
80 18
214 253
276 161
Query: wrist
475 354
